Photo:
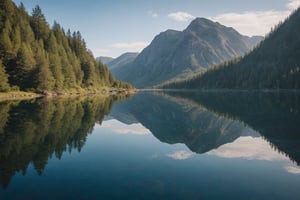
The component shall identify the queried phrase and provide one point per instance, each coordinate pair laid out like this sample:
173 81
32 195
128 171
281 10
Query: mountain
177 54
122 60
274 64
35 57
177 120
264 112
104 59
207 120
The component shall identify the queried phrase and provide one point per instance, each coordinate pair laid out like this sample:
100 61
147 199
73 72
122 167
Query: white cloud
293 4
102 52
256 22
121 128
180 155
181 16
250 149
153 14
292 169
252 23
130 46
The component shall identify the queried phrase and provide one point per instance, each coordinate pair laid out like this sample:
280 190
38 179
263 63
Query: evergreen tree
45 80
35 57
21 72
39 23
6 46
4 86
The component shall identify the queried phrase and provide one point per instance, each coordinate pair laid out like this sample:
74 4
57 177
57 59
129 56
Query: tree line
37 57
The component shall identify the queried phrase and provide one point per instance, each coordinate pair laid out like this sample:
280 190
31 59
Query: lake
152 145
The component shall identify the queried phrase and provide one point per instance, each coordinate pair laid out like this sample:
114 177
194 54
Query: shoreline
6 96
20 95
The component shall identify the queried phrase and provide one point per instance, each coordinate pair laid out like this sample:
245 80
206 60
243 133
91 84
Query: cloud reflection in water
121 128
257 148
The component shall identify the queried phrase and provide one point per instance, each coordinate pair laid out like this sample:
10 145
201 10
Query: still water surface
178 145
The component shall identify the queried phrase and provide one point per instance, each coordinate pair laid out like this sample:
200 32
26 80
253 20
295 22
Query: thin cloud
252 23
180 155
121 128
181 16
293 4
256 22
153 14
130 46
292 169
248 148
102 52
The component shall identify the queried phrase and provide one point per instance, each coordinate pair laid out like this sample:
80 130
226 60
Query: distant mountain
104 59
274 64
178 54
122 60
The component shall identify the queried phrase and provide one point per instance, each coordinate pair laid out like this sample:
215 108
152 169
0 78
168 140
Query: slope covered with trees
35 57
274 64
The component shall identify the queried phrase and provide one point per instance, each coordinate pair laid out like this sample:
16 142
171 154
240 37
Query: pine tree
22 68
39 24
6 46
44 77
16 39
38 58
4 86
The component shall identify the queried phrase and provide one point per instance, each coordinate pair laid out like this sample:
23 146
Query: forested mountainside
37 57
179 54
274 64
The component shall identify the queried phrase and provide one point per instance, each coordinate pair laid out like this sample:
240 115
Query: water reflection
255 149
32 131
207 120
250 149
274 115
179 120
120 128
180 155
233 137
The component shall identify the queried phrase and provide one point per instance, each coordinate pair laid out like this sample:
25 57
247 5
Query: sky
113 27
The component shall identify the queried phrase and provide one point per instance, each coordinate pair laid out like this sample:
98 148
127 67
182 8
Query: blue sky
113 27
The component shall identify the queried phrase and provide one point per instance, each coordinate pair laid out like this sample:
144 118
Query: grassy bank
16 95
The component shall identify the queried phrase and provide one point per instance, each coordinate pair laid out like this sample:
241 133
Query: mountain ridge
177 54
124 59
104 59
274 64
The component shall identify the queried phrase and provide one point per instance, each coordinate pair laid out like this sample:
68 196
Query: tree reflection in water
33 131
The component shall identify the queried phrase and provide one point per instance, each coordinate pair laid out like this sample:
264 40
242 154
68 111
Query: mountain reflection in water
206 120
261 126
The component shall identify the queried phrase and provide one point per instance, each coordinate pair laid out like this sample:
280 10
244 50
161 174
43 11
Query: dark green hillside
274 64
35 57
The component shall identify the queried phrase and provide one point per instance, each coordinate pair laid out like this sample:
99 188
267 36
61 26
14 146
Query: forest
37 58
273 64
